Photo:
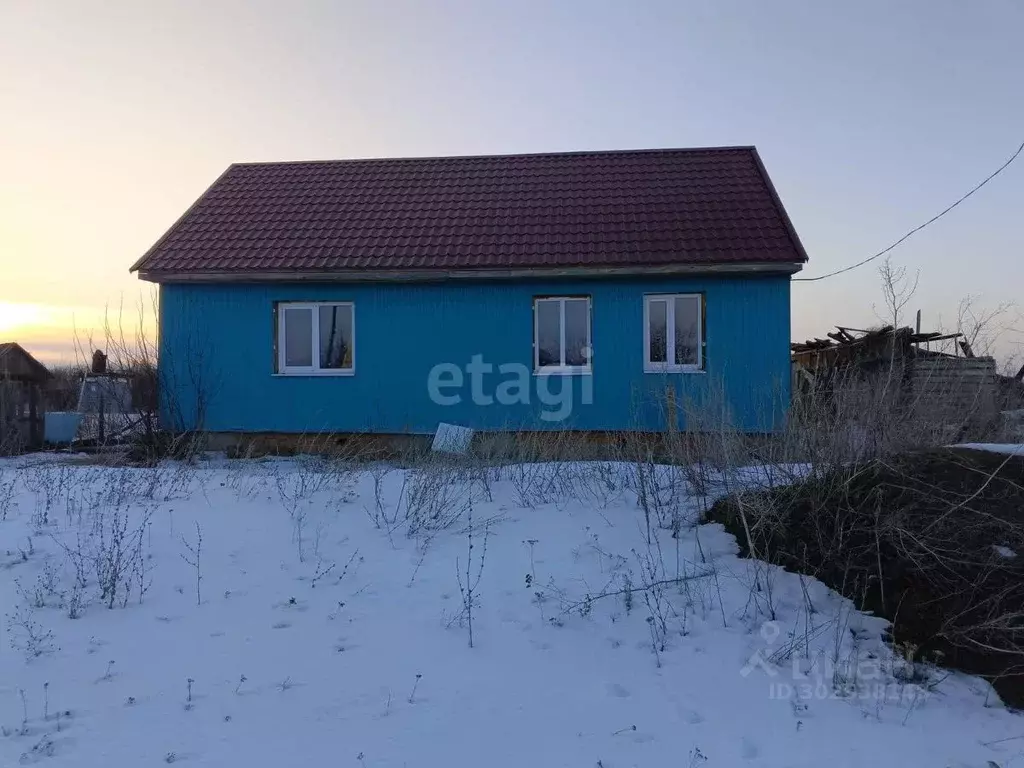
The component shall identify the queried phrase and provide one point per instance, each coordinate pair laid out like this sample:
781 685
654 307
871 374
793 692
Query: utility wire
917 229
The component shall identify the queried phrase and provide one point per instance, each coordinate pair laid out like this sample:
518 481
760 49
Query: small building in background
22 380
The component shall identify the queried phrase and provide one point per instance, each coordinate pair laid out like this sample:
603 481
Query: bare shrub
437 495
295 489
46 591
654 585
169 402
193 557
7 481
27 635
534 482
107 557
384 516
595 482
167 481
50 483
119 556
658 486
64 386
300 481
470 579
304 477
542 466
248 477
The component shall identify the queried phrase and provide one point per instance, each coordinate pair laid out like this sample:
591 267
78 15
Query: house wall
217 357
21 416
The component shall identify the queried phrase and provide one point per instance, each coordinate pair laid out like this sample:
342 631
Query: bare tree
897 291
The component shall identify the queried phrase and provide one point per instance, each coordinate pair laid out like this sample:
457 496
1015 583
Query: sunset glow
15 317
63 334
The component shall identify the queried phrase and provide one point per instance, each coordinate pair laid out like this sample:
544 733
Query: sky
870 118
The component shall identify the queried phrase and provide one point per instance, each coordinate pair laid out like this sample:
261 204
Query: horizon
122 116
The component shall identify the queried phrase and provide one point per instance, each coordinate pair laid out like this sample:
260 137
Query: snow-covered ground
316 636
1012 449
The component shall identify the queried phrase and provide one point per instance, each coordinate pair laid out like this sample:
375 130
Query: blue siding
218 340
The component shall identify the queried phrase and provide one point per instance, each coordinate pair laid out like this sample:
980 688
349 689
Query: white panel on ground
451 438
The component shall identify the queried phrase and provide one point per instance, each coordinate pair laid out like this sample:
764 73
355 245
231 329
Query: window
673 333
316 339
561 335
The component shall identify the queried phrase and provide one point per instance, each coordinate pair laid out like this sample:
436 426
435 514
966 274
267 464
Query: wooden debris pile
949 379
853 345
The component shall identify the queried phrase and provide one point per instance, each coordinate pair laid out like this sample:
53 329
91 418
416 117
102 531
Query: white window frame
312 370
670 366
562 368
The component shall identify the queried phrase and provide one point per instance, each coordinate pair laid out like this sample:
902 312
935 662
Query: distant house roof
16 363
619 210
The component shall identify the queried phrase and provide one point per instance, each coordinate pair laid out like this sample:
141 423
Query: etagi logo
516 385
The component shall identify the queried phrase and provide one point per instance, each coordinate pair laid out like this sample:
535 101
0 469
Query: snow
320 638
1004 448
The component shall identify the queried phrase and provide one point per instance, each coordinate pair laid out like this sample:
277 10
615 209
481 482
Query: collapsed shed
934 375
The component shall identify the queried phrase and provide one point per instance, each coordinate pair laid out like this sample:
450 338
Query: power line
917 229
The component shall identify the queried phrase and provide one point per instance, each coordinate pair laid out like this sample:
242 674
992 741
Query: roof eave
442 275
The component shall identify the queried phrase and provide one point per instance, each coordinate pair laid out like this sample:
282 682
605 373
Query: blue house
585 291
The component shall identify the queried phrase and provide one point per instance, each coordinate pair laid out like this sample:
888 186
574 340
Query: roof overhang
443 275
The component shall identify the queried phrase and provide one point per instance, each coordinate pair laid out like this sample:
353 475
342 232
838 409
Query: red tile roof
586 209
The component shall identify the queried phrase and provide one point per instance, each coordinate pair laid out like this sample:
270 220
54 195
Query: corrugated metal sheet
217 356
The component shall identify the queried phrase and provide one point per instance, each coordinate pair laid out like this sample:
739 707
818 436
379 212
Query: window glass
549 333
687 328
577 332
335 336
657 318
298 337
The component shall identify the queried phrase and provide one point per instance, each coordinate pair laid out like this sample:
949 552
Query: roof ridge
506 156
